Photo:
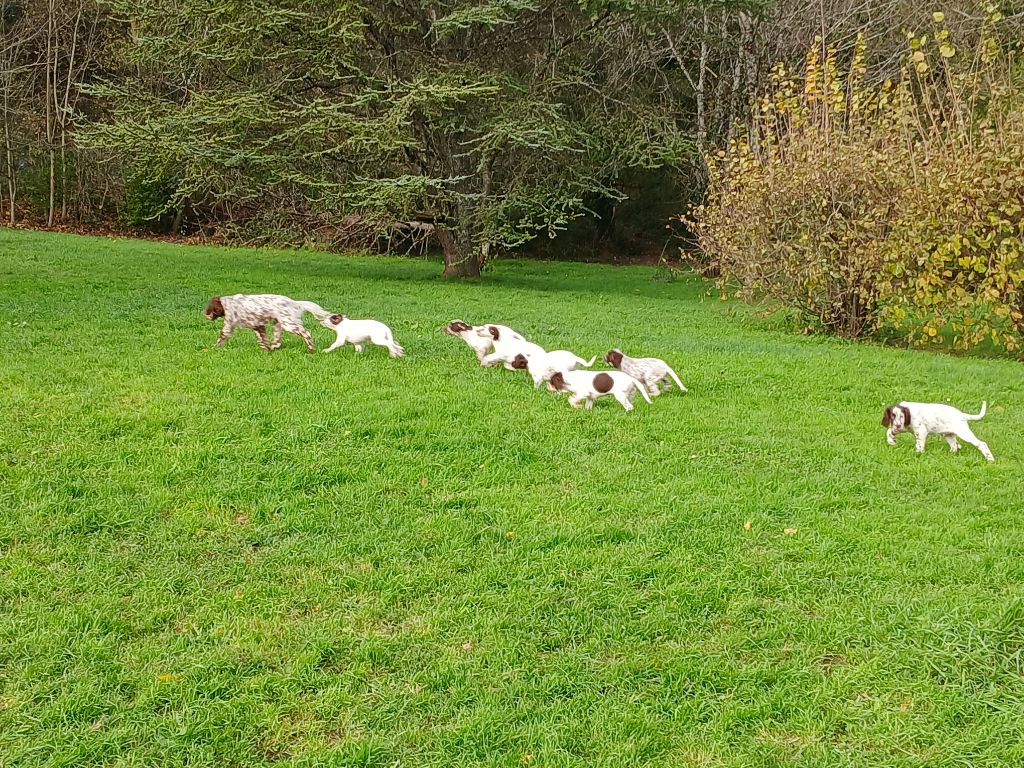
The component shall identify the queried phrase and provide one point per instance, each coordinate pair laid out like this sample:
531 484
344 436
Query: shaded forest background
565 129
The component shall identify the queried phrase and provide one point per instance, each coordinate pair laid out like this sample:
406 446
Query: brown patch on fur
603 383
495 333
887 417
613 358
556 382
906 416
335 319
214 309
520 363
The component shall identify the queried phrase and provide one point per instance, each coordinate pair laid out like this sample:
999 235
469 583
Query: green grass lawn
229 558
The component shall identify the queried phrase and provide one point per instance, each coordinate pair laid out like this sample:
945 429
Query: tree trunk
459 258
702 81
51 85
12 183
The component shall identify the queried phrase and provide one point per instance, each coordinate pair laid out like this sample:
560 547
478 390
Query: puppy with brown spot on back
587 386
650 371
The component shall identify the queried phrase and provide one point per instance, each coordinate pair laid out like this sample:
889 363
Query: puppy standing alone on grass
254 311
358 331
924 419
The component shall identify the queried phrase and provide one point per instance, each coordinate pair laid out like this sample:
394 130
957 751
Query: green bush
148 202
882 209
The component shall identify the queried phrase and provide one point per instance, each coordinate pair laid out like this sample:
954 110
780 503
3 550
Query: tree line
481 124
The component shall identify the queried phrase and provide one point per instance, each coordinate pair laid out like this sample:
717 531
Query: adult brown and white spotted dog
256 310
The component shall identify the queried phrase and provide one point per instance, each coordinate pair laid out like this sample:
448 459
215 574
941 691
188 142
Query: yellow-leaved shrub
889 209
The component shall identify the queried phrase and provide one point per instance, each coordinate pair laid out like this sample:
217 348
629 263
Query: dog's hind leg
954 446
298 330
965 434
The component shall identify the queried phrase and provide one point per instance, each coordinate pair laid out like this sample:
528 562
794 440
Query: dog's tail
975 417
587 364
314 309
676 379
643 391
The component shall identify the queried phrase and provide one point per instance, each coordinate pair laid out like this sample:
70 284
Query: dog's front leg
225 332
489 360
338 342
261 334
890 437
920 436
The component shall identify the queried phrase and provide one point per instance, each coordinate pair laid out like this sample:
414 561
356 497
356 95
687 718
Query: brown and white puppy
648 370
478 337
254 311
586 386
507 344
925 419
543 367
357 332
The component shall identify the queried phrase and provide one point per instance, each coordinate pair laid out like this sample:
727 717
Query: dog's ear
906 415
557 381
887 417
335 319
520 363
495 333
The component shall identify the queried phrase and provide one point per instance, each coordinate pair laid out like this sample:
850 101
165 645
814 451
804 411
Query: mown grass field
229 558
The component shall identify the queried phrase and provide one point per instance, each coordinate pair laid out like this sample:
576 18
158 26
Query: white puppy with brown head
586 386
359 331
925 419
507 344
542 367
476 336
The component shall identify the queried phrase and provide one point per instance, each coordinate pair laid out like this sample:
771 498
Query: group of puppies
559 368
